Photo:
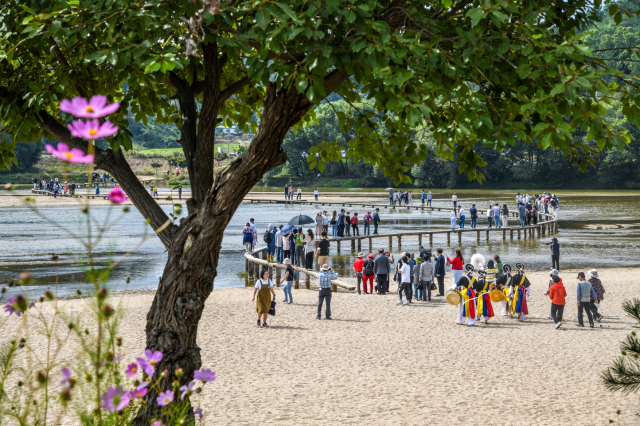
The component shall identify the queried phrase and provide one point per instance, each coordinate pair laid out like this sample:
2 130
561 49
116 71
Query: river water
597 229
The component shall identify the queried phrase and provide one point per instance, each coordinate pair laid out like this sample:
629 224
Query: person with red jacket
457 263
354 225
557 294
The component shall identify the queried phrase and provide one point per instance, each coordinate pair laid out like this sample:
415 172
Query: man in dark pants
438 271
585 293
376 221
325 276
341 220
382 267
555 253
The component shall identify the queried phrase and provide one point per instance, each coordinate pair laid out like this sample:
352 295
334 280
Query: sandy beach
381 364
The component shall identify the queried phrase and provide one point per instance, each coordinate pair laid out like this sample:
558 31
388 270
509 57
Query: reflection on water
597 229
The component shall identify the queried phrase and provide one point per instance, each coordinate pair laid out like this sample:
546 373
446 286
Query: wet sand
377 363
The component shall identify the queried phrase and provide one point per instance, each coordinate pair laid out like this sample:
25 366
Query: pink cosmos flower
198 412
157 423
66 376
115 399
204 375
117 196
9 307
97 107
138 392
132 369
146 367
92 129
153 357
187 390
165 398
71 156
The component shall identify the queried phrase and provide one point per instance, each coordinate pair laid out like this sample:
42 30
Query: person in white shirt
325 222
453 216
405 281
316 193
299 194
462 217
455 200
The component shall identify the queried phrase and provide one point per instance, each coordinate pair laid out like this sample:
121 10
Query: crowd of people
55 186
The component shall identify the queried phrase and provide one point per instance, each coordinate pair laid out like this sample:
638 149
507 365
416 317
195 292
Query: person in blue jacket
376 221
439 271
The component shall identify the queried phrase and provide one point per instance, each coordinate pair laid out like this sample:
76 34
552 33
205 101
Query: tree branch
115 163
232 89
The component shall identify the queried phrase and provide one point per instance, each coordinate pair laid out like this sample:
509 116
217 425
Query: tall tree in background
484 70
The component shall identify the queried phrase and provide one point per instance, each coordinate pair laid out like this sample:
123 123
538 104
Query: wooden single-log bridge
60 194
258 258
547 224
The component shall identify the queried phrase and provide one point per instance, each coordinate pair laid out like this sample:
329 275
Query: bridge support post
359 244
399 241
504 234
256 271
338 245
370 244
448 236
477 235
459 237
430 239
511 233
277 277
419 240
519 233
487 237
296 283
307 281
353 244
390 242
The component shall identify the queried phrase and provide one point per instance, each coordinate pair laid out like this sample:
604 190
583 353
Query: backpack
267 237
365 220
368 268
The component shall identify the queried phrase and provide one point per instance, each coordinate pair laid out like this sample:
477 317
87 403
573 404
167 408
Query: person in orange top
557 294
357 269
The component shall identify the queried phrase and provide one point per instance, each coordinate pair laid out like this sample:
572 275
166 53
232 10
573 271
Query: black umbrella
301 220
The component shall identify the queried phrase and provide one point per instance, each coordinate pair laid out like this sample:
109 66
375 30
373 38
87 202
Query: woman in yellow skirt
264 288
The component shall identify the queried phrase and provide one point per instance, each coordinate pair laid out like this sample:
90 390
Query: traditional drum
496 295
453 297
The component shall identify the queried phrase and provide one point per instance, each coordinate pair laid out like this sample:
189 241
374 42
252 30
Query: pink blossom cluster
91 129
117 398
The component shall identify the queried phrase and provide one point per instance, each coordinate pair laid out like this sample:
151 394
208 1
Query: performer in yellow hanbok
482 288
519 290
467 307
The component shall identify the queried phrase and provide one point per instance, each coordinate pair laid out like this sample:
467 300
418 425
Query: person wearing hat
376 220
288 281
467 306
585 294
404 283
325 276
554 246
357 269
594 279
368 274
519 289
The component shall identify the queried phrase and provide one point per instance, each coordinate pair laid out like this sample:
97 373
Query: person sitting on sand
263 287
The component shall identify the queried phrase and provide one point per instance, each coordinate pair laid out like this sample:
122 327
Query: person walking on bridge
376 221
391 197
423 197
429 198
325 222
322 249
462 217
316 193
299 194
453 217
454 198
366 220
474 215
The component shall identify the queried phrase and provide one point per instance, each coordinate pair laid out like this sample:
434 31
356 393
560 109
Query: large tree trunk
187 281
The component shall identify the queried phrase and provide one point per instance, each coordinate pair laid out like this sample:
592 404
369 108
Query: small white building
222 149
